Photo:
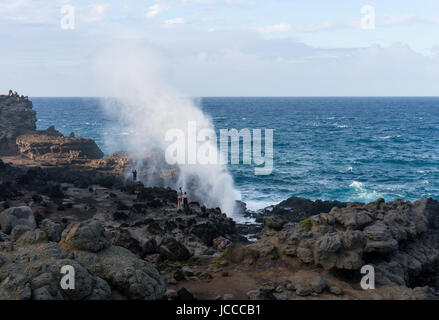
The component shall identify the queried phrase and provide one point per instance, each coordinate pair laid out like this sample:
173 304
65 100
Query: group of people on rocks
15 94
182 198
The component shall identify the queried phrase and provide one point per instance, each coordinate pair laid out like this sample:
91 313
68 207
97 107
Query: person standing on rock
185 203
134 175
179 197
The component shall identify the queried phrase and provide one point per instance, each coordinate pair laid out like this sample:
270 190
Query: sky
227 47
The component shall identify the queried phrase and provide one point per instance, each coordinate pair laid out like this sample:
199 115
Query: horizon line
244 96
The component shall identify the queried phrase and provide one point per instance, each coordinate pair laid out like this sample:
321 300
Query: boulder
87 235
261 294
379 239
129 275
171 249
184 294
34 272
126 238
296 209
15 286
351 219
14 216
221 243
274 222
52 229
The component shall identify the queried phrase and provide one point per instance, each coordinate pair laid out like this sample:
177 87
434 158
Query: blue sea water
347 149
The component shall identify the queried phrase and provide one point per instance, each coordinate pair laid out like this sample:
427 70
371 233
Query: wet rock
296 209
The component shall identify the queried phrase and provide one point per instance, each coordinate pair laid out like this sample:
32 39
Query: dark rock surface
41 145
295 209
62 204
16 117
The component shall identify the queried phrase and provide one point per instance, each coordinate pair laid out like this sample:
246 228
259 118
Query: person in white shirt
180 198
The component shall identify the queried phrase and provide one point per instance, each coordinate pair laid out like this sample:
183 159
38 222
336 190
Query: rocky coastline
63 203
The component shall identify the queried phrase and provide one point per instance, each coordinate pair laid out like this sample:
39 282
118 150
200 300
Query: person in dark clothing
185 203
134 175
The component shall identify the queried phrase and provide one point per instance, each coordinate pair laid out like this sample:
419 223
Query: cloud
401 19
29 12
94 12
324 25
155 10
217 2
274 28
175 21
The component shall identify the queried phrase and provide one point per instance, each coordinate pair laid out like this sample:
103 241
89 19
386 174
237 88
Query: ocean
347 149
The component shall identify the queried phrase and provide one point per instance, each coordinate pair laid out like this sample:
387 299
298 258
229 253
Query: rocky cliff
398 239
130 242
16 117
119 238
50 144
18 135
66 205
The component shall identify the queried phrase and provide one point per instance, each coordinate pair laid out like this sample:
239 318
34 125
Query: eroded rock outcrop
16 117
293 209
31 262
397 238
51 144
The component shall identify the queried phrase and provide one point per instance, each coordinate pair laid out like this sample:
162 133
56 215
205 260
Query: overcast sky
227 47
